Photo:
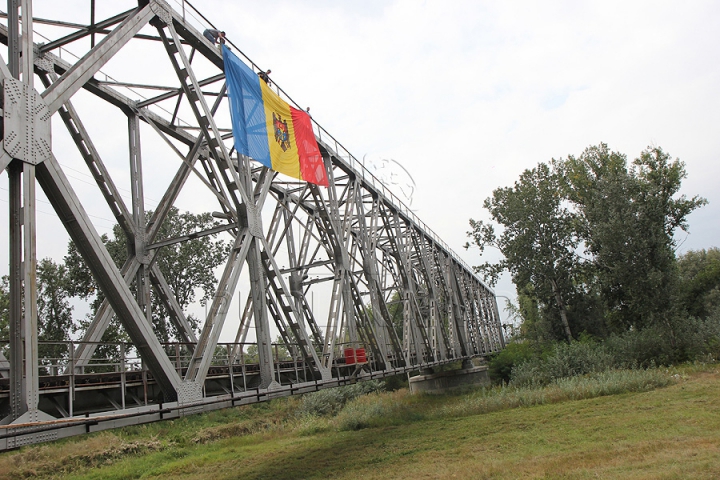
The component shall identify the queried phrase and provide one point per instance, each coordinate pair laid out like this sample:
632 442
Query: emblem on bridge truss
393 174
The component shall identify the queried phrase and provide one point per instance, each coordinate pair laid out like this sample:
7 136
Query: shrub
501 364
377 409
593 385
682 340
641 348
565 360
396 382
331 400
695 338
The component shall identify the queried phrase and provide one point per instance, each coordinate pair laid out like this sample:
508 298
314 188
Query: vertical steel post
32 394
24 395
71 387
13 38
30 331
92 23
123 376
17 404
258 284
17 397
142 280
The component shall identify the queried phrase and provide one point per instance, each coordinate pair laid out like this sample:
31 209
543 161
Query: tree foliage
539 240
55 319
187 266
699 275
588 241
396 307
630 216
280 352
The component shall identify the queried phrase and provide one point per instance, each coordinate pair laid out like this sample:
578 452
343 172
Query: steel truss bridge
323 269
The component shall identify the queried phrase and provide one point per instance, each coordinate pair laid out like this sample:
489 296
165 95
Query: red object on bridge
360 355
349 356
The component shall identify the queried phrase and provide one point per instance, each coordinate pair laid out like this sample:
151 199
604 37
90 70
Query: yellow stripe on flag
281 133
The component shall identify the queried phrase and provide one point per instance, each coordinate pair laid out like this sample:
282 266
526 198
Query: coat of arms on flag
282 135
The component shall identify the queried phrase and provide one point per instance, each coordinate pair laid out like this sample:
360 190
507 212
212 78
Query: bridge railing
57 357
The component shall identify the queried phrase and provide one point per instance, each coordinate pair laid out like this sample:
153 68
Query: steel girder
327 269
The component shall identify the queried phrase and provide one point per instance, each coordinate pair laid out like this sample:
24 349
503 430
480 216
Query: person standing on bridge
266 76
215 36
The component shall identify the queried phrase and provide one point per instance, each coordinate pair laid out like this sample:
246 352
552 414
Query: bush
331 400
686 339
565 360
641 348
696 338
501 364
377 410
395 382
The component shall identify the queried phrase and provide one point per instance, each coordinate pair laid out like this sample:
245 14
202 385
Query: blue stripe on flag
247 112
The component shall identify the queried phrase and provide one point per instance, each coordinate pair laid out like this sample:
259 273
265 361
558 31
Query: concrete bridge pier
468 375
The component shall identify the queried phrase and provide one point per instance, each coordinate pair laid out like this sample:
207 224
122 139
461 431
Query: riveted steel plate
26 121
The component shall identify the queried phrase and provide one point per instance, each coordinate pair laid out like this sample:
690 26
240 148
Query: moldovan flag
269 130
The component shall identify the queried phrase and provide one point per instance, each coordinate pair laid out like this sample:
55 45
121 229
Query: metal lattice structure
324 269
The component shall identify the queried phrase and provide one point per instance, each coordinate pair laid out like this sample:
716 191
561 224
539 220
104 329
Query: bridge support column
450 380
25 143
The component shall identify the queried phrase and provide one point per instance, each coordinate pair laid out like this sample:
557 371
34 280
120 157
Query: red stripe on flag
312 166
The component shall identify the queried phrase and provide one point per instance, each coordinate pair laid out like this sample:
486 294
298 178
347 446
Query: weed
374 410
211 434
54 459
330 401
614 382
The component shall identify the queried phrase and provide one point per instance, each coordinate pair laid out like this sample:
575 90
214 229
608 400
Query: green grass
627 424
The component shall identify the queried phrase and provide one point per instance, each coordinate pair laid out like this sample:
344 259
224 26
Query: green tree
83 285
629 216
699 276
539 242
251 355
55 320
279 351
186 266
395 310
592 238
396 307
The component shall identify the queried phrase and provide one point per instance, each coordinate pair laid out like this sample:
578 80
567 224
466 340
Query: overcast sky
465 95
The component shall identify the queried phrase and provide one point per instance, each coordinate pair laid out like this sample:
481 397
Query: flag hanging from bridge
269 130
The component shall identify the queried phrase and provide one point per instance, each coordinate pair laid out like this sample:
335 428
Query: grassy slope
671 432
